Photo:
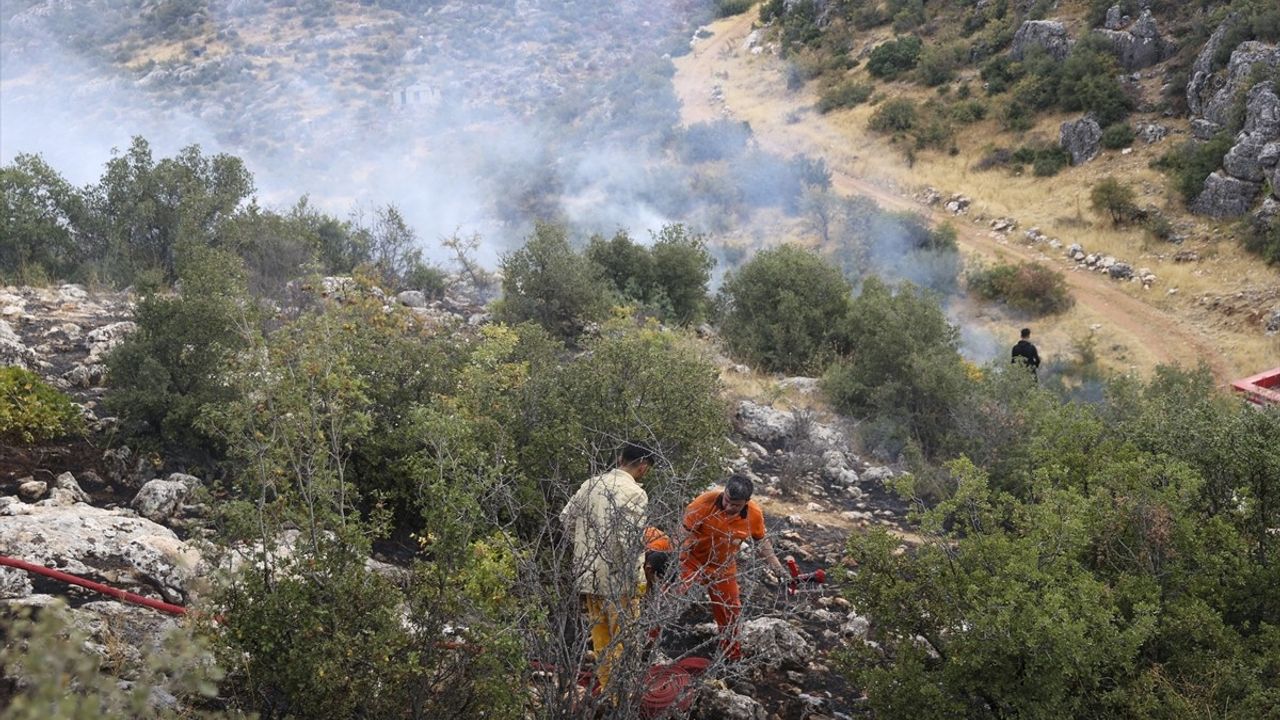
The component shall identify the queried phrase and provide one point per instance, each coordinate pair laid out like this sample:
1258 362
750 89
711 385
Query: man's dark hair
635 452
739 488
1026 333
660 562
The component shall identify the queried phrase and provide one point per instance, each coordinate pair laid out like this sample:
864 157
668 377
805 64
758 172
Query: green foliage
31 411
1114 199
670 278
711 141
1117 136
1089 82
163 375
890 59
968 111
63 679
938 63
896 115
1191 162
844 94
1028 287
777 309
902 366
1098 560
39 212
726 8
1261 236
547 282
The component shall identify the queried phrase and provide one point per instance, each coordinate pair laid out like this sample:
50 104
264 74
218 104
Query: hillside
1211 300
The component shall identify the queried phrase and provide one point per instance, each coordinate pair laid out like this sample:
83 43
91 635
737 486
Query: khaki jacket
606 519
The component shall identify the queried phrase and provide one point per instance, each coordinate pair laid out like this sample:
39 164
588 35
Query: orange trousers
726 604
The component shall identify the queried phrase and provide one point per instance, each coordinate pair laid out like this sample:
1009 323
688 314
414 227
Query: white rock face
762 423
112 546
724 704
102 340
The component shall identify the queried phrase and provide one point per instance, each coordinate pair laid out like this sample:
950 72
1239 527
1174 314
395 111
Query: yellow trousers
607 616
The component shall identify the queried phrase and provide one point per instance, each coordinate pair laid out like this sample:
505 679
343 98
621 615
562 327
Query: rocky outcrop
724 704
112 546
1140 46
1257 149
1204 83
1211 95
158 500
1082 139
762 423
1225 196
775 642
1048 35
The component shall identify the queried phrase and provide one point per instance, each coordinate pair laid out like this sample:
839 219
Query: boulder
70 489
1225 196
1256 150
774 642
1115 18
1140 46
1151 133
762 423
112 546
1203 82
32 490
1120 270
802 385
1082 139
13 352
877 474
158 500
15 583
1049 35
412 298
724 704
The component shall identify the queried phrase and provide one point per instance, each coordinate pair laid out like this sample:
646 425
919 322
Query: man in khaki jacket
606 517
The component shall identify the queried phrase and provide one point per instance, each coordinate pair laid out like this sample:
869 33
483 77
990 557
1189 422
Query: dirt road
1156 336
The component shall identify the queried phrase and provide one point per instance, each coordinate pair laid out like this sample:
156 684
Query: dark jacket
1027 351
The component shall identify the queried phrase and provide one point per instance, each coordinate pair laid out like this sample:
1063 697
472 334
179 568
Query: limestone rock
1256 150
412 298
1049 35
762 423
1211 99
112 546
158 500
13 352
724 704
1115 18
1120 270
775 642
66 482
1152 133
1225 196
1082 139
102 340
32 490
1138 47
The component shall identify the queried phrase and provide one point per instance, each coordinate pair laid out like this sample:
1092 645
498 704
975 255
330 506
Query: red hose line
116 593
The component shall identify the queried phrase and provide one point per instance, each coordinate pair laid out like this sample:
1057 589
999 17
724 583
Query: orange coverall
709 557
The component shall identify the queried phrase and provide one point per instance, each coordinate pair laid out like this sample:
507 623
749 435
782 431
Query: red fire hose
107 590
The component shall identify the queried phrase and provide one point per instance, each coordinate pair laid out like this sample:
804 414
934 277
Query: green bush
938 63
1117 136
39 216
1262 237
1088 82
1114 199
1050 163
902 365
844 94
890 59
777 309
1191 162
162 377
681 272
896 115
726 8
547 282
31 411
968 111
1028 287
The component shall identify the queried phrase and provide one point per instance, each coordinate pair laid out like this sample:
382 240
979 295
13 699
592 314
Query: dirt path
1158 337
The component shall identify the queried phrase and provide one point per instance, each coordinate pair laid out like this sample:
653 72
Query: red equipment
817 577
116 593
1262 389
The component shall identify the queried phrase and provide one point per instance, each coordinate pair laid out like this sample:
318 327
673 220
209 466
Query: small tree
778 309
1114 199
547 282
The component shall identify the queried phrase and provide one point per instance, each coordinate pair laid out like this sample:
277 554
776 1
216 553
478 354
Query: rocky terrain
96 509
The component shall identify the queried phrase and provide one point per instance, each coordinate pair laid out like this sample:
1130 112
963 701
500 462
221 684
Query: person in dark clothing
1026 351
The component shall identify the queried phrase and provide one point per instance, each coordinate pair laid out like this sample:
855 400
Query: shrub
1262 237
1160 227
968 111
1115 199
681 272
725 8
162 377
938 64
711 141
890 59
777 309
896 115
1117 136
548 283
1088 83
39 216
903 365
1050 161
844 94
32 411
1028 287
1190 163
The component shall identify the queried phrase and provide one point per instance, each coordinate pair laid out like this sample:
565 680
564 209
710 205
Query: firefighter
1026 351
717 522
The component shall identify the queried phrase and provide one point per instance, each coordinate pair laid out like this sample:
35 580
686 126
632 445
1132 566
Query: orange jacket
715 536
